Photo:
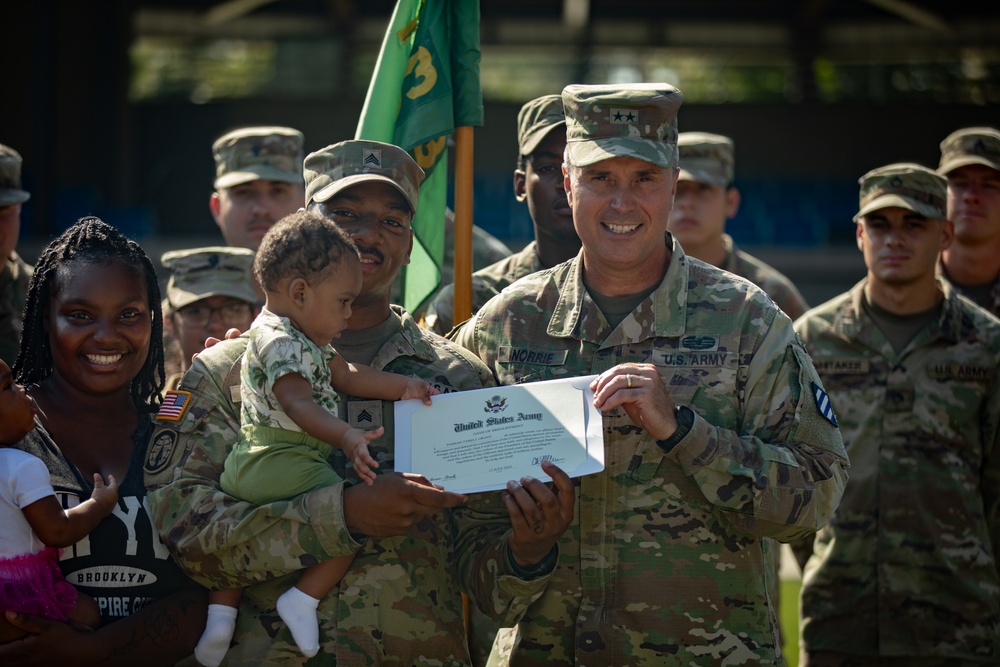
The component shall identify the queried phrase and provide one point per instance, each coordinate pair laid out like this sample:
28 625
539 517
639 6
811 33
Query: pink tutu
33 584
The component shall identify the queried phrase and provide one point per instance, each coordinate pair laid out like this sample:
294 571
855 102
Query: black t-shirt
122 564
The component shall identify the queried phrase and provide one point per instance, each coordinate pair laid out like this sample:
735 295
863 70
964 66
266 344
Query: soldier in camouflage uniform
400 603
970 160
541 135
706 198
258 181
210 290
714 433
15 273
906 572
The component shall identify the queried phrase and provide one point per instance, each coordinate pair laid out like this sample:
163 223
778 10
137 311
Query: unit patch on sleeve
161 450
824 405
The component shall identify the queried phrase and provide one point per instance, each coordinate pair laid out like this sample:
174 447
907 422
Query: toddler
35 526
310 272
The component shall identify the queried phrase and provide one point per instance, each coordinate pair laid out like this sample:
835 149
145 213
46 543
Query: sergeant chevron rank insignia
366 415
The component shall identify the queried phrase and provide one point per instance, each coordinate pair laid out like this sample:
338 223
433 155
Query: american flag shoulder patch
824 405
173 406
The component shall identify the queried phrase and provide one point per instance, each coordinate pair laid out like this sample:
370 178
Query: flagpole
463 223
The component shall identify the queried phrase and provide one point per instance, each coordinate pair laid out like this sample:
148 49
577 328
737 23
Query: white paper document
477 440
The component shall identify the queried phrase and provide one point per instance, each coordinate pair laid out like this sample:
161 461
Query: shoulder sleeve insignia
161 450
175 403
824 405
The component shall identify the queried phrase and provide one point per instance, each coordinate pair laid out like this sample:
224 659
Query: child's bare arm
294 393
362 380
59 528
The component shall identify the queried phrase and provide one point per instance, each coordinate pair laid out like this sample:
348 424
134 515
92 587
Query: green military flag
425 84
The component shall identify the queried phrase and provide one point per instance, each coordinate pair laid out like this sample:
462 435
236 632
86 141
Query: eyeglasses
232 314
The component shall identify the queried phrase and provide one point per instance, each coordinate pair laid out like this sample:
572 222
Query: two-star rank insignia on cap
624 116
173 406
824 404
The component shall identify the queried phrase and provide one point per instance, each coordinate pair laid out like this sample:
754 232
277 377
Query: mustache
368 250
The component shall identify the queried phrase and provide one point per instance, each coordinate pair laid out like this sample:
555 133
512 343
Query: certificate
477 440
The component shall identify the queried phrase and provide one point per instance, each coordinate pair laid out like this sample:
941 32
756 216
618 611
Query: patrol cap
906 185
634 120
199 273
970 145
705 158
536 119
10 178
336 167
250 153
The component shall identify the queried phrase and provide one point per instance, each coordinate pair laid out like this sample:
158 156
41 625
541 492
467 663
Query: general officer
716 432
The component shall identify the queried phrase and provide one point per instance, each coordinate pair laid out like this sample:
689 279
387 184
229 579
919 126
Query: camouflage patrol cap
536 119
251 153
336 167
705 158
199 273
635 120
906 185
970 145
10 178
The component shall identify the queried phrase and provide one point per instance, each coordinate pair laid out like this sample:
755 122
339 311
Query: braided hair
94 241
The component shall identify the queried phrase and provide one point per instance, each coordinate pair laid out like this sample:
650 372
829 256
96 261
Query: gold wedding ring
628 381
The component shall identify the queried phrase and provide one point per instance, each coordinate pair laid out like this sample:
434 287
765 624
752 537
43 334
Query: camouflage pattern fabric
252 153
992 303
400 603
15 274
908 566
335 168
970 145
706 158
906 185
664 564
606 121
198 273
774 283
486 284
10 178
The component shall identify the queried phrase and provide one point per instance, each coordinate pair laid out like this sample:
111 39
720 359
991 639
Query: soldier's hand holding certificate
474 441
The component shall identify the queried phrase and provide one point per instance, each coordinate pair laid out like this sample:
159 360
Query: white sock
298 611
219 628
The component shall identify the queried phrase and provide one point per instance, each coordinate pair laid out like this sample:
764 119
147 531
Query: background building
114 104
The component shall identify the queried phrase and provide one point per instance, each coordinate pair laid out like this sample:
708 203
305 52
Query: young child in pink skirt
33 525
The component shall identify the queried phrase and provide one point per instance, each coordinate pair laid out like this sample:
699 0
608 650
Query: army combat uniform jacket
486 284
908 564
774 283
992 303
15 274
400 603
664 564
